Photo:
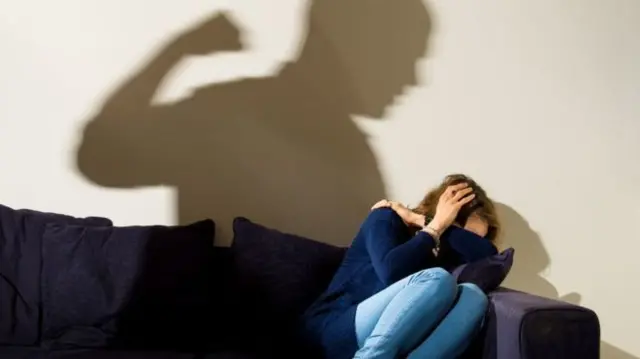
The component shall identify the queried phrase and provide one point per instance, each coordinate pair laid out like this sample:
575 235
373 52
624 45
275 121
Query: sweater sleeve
393 256
468 245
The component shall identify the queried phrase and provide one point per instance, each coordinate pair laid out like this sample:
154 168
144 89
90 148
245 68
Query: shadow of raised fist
216 34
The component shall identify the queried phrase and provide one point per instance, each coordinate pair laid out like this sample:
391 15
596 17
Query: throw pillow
140 287
20 267
487 273
278 275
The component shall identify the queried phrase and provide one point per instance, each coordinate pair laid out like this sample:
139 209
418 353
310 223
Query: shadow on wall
608 351
281 150
531 259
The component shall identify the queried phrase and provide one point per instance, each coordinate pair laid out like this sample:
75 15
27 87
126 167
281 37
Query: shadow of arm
122 146
134 143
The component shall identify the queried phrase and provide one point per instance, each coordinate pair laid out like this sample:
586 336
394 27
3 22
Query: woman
391 296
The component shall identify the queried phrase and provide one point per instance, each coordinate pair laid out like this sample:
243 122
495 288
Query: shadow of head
531 258
516 232
368 48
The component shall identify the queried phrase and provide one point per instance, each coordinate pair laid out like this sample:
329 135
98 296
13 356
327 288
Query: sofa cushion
236 355
20 266
278 275
51 217
287 271
487 273
146 287
40 353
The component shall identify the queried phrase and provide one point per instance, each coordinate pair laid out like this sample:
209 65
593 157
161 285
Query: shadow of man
281 150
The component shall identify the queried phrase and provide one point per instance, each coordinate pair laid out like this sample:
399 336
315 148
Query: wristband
433 233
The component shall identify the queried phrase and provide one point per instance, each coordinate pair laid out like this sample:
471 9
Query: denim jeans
425 315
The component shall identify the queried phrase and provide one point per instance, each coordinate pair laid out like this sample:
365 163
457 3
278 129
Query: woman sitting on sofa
392 296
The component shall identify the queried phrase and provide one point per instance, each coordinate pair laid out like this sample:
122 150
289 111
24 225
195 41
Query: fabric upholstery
526 326
134 287
278 275
37 353
286 271
20 267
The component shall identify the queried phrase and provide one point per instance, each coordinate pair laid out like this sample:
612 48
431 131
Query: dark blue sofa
78 288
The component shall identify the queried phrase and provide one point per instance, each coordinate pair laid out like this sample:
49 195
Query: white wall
539 100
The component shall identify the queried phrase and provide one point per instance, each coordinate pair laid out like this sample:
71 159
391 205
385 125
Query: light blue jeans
425 315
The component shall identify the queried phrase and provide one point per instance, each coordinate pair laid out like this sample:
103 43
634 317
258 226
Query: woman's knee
473 297
439 279
431 274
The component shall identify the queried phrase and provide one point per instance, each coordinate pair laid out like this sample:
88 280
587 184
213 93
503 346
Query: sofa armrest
525 326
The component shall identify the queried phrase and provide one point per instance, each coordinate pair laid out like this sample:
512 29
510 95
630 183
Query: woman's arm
412 219
392 256
469 246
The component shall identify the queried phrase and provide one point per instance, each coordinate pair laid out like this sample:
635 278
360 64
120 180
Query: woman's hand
381 204
449 204
408 216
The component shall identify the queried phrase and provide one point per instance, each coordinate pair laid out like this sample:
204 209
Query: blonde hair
487 211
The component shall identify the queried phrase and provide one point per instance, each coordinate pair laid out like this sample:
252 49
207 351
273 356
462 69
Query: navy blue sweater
384 251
